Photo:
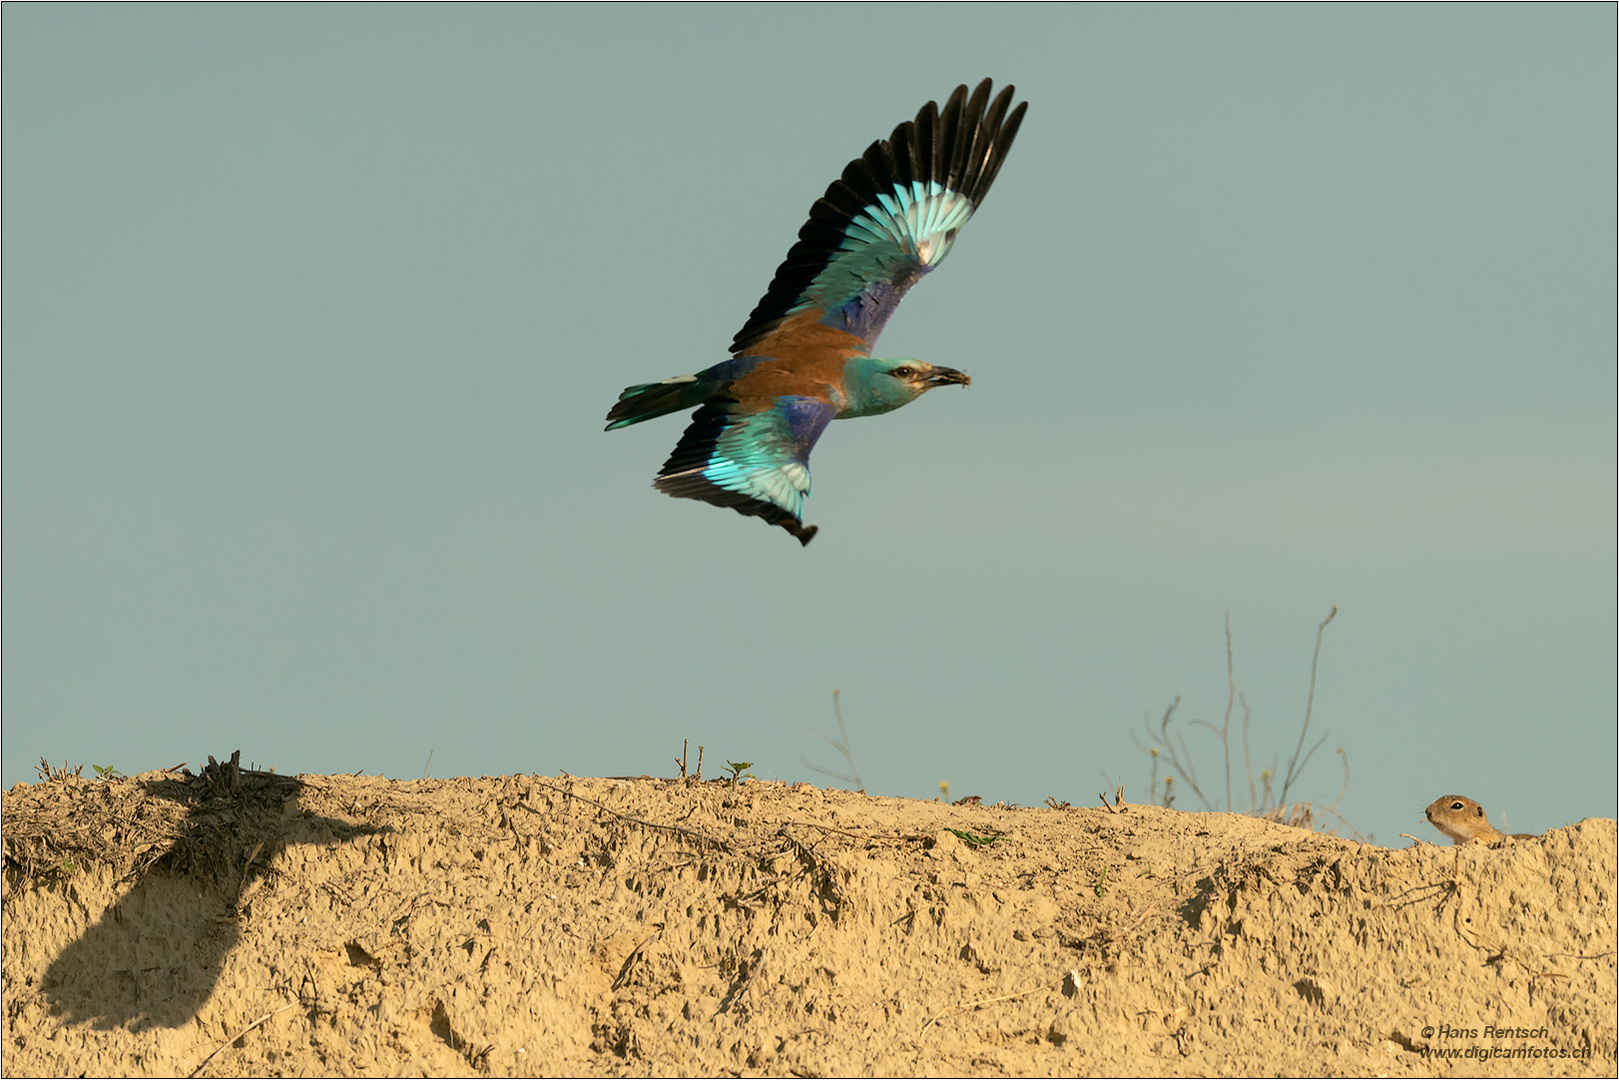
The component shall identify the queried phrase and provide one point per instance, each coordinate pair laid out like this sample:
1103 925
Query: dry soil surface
525 925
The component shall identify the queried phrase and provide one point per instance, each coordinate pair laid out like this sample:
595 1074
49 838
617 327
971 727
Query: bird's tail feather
650 400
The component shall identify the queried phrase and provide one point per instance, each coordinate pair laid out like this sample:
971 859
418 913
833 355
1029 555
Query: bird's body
804 357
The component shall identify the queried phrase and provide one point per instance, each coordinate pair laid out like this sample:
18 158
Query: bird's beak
944 376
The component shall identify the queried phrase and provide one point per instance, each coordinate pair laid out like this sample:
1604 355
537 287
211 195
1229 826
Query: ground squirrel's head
1461 819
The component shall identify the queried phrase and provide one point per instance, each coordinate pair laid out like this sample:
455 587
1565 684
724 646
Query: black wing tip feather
696 443
961 146
695 486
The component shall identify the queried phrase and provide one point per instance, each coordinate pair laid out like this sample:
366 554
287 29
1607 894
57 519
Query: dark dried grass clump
207 826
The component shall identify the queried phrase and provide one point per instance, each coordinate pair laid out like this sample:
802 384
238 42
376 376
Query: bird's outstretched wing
891 218
754 460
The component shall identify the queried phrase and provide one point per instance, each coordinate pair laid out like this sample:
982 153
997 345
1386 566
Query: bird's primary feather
890 218
804 356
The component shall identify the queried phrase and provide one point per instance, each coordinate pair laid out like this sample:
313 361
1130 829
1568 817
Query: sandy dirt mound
526 925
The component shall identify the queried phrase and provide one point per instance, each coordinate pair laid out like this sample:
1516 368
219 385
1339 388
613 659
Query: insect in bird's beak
944 376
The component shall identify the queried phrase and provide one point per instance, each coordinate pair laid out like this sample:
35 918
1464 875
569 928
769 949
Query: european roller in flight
803 359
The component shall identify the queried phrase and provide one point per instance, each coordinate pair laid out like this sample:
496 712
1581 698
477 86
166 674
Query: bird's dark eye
903 372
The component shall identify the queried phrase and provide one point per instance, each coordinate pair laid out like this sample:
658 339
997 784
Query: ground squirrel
1462 819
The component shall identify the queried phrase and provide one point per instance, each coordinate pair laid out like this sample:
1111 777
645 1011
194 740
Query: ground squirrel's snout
1462 819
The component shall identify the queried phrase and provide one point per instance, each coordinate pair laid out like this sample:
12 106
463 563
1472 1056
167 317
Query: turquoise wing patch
755 462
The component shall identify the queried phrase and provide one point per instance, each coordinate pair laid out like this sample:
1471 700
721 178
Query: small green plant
972 840
739 771
107 772
1101 884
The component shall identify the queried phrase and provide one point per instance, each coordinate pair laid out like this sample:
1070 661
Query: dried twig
685 748
1268 804
1118 800
261 1020
693 835
49 773
1117 803
841 745
224 778
746 989
247 867
1181 761
1231 699
629 961
1136 925
902 838
991 1001
1294 765
828 879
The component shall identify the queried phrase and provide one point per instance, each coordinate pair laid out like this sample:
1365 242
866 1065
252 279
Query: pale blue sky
312 316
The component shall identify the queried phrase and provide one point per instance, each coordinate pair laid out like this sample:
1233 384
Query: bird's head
873 385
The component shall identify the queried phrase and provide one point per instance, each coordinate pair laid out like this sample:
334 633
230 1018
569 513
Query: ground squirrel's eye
1456 806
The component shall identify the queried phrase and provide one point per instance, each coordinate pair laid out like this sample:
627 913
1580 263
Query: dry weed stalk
841 745
685 748
1263 801
51 774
